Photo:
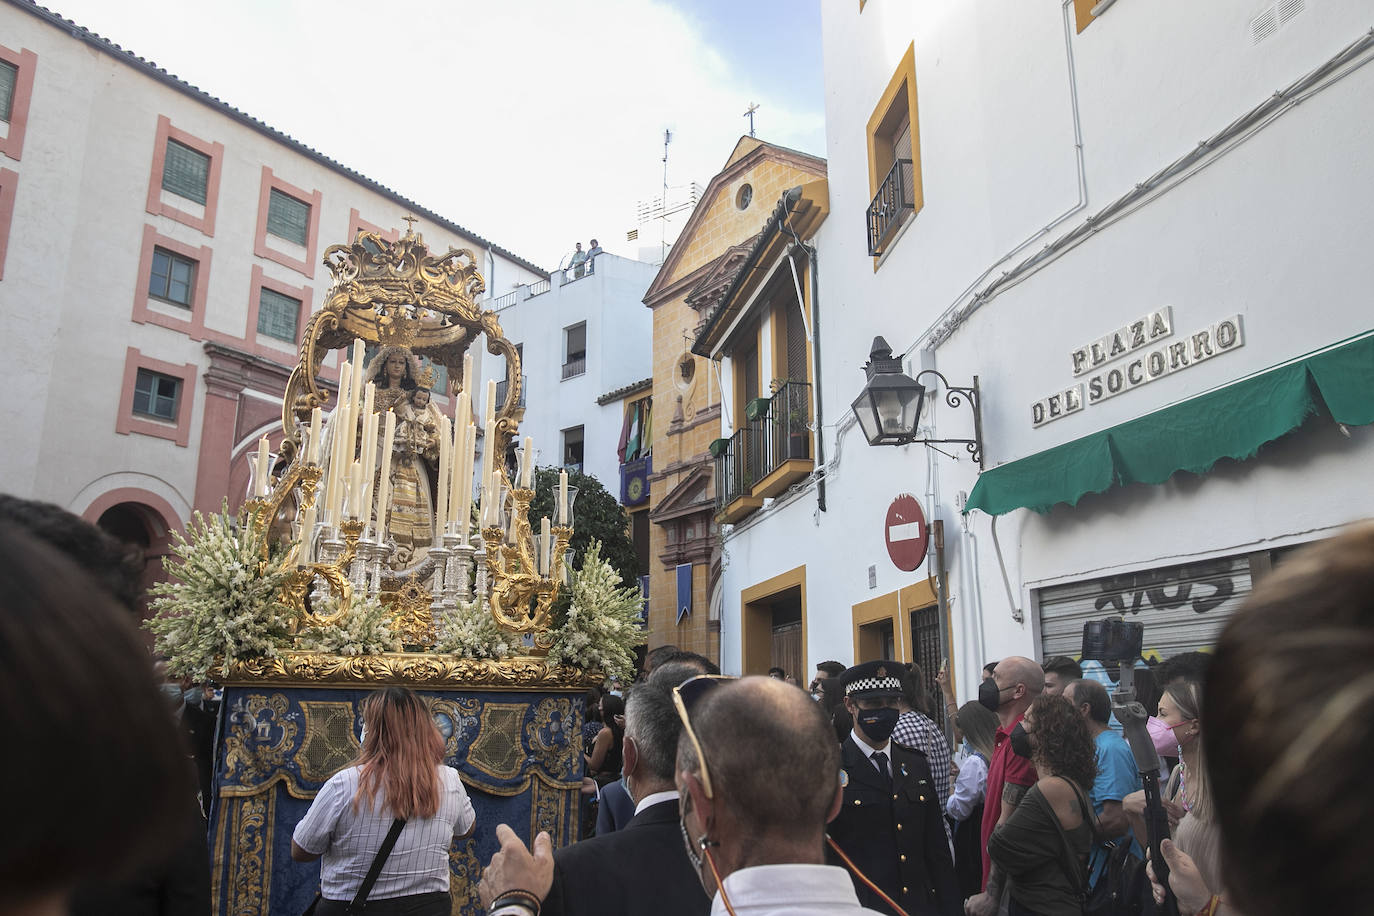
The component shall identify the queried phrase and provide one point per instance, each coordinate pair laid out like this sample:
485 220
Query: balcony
784 438
890 206
575 366
503 386
737 469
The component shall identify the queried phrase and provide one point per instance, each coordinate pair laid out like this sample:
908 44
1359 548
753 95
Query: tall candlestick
312 451
445 459
563 498
384 494
491 401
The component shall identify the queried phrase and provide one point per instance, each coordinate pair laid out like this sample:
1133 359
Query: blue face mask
172 693
194 696
877 724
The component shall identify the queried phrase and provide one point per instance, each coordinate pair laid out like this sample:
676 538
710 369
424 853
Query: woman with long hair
606 757
400 774
965 806
1043 846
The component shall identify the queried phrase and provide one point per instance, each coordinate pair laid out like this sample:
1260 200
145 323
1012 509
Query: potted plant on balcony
797 432
718 447
757 409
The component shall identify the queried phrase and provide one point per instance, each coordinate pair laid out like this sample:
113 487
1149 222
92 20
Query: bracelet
1210 909
517 897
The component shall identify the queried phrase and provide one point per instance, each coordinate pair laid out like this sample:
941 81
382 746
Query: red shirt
1005 767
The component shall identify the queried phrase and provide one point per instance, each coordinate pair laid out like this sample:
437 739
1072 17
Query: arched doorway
143 527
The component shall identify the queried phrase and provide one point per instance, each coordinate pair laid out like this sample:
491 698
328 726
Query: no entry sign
906 533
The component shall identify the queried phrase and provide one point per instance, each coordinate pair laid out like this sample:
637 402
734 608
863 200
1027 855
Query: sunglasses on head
685 697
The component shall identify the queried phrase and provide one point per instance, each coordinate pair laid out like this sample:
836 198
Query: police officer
890 822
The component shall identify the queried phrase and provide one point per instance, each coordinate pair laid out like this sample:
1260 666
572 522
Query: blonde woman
400 775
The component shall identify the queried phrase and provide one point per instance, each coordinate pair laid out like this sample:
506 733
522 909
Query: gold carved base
407 669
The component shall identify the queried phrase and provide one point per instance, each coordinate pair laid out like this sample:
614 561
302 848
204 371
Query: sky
532 123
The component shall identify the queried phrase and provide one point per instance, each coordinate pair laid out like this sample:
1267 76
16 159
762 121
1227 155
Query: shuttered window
172 278
9 75
185 172
287 217
278 315
156 395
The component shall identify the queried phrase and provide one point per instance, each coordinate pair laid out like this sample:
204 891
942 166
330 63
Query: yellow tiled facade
686 390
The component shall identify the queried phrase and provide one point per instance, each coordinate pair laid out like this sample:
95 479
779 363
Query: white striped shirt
349 840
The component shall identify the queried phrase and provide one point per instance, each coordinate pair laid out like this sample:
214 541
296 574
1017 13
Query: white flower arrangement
472 632
602 625
364 630
224 603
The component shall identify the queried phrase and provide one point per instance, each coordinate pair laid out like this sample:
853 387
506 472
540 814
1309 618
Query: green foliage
601 627
597 516
364 630
472 632
223 603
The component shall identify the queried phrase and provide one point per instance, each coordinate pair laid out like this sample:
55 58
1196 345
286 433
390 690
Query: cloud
535 123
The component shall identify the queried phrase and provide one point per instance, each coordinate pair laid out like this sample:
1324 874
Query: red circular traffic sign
906 533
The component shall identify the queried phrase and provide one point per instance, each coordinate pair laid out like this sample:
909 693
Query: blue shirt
1117 777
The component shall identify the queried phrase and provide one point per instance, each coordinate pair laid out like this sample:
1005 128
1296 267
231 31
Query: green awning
1231 422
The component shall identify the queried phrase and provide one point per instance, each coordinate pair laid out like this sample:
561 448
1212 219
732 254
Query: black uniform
893 833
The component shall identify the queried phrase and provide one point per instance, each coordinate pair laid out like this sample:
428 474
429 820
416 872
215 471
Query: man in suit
642 867
891 822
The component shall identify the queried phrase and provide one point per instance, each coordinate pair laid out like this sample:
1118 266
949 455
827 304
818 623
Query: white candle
369 459
455 466
445 459
264 468
359 352
527 463
488 478
384 494
467 377
355 489
465 481
546 546
334 482
563 498
307 534
312 451
491 401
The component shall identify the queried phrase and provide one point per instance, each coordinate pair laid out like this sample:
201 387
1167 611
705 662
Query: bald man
774 772
1014 685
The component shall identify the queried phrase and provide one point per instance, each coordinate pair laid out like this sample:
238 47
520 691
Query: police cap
873 679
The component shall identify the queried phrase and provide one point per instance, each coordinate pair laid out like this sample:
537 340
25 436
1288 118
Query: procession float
385 544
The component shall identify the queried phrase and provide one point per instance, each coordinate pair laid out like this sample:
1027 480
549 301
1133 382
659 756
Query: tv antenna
663 224
753 107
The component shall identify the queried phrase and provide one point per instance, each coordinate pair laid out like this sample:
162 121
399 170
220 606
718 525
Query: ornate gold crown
406 270
396 328
427 378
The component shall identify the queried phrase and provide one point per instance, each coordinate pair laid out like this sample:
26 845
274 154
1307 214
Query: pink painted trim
357 224
193 327
215 151
260 240
264 344
9 180
111 498
127 422
25 61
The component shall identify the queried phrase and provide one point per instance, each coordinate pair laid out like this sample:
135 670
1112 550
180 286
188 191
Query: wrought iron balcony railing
503 386
786 432
890 205
738 466
576 365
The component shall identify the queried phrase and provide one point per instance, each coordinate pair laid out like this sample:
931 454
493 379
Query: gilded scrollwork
261 738
549 734
414 669
458 719
252 861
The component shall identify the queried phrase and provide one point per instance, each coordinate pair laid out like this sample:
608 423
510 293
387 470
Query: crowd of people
583 263
731 795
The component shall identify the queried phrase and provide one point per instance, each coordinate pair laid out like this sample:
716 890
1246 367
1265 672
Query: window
9 76
575 350
186 172
172 279
894 157
288 218
278 315
572 448
156 395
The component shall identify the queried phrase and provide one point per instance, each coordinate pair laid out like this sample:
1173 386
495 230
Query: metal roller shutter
1182 607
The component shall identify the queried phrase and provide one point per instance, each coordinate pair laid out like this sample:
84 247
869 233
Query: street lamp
889 407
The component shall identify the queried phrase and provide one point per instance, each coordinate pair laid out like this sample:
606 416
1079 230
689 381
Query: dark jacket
642 868
896 834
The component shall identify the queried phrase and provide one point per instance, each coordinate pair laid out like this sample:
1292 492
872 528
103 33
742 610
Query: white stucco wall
1272 229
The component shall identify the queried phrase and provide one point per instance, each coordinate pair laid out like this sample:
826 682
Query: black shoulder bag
1073 869
360 899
